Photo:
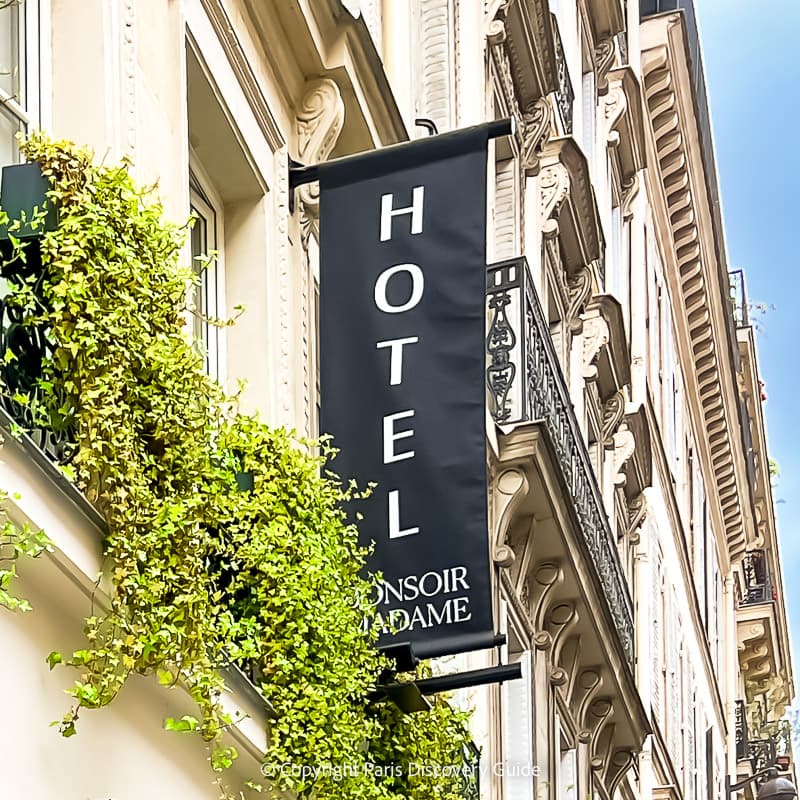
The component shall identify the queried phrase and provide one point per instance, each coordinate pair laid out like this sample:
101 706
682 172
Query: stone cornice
678 186
607 17
531 51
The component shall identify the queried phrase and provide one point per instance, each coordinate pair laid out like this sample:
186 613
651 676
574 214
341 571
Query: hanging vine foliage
203 575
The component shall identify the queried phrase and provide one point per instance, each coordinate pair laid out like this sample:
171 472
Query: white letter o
417 285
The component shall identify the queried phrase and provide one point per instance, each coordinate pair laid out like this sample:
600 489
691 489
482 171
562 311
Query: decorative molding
604 54
502 68
129 76
319 121
668 90
436 62
245 75
282 226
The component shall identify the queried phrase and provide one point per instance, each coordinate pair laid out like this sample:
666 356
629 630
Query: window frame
24 112
207 205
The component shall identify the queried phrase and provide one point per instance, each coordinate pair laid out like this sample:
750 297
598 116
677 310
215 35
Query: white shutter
656 644
505 210
589 109
518 734
673 725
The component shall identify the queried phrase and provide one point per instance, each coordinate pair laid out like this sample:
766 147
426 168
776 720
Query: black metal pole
476 677
300 174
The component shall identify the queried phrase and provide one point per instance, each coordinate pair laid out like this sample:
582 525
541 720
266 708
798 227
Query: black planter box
23 189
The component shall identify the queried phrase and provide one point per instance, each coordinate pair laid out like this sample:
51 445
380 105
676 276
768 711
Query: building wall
209 99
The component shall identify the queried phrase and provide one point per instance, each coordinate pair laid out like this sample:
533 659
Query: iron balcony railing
739 298
742 745
757 579
526 384
565 95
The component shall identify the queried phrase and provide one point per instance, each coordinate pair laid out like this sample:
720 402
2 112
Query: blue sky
753 74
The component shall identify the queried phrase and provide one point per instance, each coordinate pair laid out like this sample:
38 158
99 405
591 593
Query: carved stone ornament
637 511
624 446
604 57
496 29
580 290
615 106
320 120
535 132
554 187
595 337
613 412
629 191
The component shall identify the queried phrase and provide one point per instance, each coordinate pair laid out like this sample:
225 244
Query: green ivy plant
202 575
16 541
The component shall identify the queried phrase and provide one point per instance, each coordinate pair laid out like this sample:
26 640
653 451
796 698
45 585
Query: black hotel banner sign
402 293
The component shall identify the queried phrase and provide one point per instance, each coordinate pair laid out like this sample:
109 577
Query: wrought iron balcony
761 753
739 298
742 745
526 384
27 346
565 95
757 579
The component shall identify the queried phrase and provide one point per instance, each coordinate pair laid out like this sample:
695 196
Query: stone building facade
636 567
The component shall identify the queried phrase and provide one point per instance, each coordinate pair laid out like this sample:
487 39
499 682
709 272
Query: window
18 73
205 263
567 767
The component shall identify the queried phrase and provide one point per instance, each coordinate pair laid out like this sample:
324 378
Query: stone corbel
535 132
580 290
615 106
554 188
595 337
586 687
620 763
629 191
510 489
319 121
544 579
624 446
613 412
637 511
604 55
561 620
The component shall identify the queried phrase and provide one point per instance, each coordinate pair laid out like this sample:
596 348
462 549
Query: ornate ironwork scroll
25 347
499 343
565 96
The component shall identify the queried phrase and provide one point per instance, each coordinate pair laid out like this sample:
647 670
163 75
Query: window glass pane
9 127
203 242
12 53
